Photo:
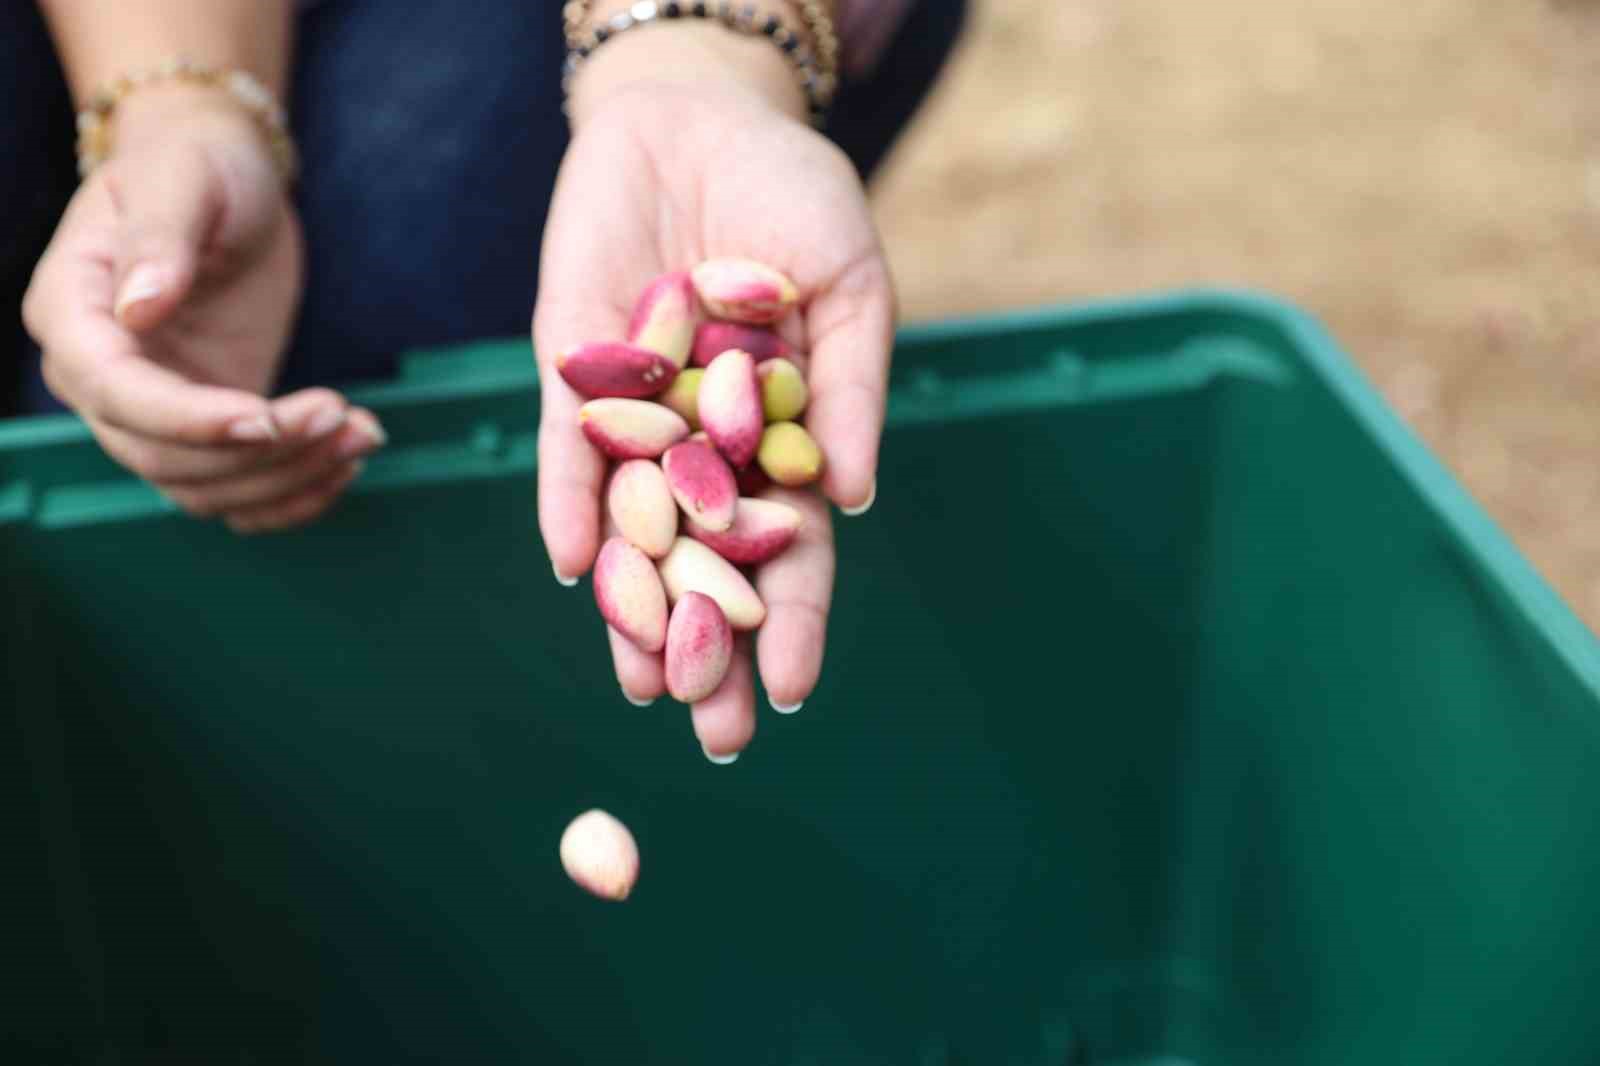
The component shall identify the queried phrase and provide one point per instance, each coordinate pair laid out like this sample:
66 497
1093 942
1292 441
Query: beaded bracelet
816 70
94 121
819 21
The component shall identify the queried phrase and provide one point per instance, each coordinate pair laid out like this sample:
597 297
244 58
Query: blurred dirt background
1425 177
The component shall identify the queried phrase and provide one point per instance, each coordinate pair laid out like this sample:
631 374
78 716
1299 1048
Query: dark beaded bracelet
818 84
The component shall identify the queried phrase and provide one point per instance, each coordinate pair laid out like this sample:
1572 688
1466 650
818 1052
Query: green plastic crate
1178 708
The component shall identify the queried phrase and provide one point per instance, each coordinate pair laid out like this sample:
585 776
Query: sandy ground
1425 177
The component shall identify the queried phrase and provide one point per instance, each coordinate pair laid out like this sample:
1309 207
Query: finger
166 208
640 674
177 465
366 424
851 326
312 466
797 588
725 721
173 465
600 250
571 469
98 369
306 417
298 510
310 414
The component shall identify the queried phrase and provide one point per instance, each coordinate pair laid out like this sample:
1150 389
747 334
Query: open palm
658 181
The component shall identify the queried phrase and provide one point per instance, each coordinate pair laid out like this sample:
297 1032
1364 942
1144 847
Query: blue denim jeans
432 133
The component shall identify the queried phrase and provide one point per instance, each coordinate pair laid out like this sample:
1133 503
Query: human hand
659 177
163 305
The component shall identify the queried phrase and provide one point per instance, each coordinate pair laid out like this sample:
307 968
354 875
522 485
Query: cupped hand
163 306
658 179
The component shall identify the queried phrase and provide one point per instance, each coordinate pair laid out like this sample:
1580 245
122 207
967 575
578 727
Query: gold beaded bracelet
94 121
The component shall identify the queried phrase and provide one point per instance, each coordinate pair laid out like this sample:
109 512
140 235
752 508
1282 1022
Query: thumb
167 210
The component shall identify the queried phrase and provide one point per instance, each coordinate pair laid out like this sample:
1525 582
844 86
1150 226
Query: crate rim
1469 526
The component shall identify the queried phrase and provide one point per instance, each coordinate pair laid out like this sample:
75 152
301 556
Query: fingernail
325 422
367 438
562 579
253 430
853 512
635 701
721 760
787 708
146 282
368 423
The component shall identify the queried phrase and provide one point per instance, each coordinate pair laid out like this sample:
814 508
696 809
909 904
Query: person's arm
684 53
99 41
691 141
688 53
165 300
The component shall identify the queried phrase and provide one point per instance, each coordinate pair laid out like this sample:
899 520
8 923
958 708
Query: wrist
199 118
158 112
100 41
696 54
190 102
